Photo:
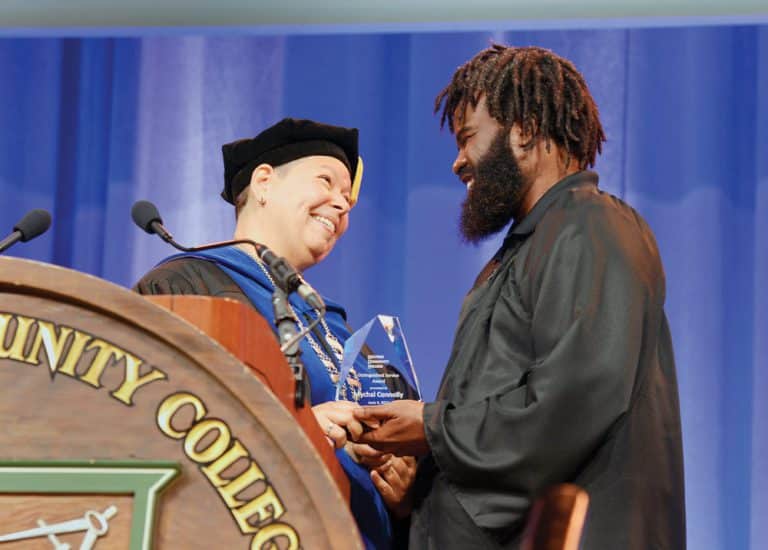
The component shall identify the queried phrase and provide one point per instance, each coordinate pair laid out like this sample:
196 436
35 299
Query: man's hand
397 428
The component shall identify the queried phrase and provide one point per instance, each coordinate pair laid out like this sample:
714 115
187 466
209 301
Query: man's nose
459 163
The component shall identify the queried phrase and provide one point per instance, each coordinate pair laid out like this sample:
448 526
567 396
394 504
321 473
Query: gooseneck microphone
33 224
146 216
289 337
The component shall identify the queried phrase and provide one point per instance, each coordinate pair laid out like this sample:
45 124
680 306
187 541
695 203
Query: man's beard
496 193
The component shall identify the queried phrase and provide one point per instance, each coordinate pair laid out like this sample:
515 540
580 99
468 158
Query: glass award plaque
390 374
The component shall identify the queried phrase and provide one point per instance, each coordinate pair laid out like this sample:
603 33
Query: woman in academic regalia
293 186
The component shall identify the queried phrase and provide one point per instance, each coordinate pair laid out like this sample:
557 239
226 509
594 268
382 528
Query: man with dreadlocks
562 367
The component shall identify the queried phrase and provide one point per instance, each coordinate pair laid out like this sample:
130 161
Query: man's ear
521 143
523 139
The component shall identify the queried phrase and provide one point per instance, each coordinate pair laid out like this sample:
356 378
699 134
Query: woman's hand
337 420
394 479
367 455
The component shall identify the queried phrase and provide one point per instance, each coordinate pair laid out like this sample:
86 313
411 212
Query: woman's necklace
352 389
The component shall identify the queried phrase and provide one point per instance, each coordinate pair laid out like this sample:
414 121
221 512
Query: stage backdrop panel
87 126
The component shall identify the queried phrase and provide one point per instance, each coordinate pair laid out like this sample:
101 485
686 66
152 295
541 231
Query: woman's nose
340 203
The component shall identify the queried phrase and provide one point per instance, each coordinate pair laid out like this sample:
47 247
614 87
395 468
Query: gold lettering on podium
15 350
64 348
267 537
257 515
105 353
74 354
214 470
171 405
54 344
133 381
215 449
250 476
264 509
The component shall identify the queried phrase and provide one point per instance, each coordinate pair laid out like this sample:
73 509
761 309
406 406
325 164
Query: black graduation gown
561 371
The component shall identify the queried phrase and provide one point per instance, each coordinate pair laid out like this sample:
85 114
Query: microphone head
34 223
144 214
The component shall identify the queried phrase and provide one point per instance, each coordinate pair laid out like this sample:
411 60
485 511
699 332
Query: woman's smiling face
306 207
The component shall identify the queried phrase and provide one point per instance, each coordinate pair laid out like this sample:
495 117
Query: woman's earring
261 201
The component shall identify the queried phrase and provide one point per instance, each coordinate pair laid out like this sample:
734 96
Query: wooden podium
125 425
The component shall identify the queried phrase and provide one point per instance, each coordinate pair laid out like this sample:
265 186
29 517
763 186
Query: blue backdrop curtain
89 125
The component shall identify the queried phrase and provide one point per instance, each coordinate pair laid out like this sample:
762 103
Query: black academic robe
190 276
561 371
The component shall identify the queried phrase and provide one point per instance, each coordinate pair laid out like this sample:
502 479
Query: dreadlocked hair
532 87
